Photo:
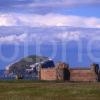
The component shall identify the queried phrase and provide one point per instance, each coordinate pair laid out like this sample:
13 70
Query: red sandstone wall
48 74
82 75
75 74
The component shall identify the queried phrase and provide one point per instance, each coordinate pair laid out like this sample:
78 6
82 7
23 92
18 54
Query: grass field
30 90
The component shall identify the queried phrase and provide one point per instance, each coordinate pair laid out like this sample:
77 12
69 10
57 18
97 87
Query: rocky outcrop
23 64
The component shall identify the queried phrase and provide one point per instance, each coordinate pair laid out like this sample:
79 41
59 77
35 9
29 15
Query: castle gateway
62 72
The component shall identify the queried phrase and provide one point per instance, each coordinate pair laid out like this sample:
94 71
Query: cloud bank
13 38
64 34
52 19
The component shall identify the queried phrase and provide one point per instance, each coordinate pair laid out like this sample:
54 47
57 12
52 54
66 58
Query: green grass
35 90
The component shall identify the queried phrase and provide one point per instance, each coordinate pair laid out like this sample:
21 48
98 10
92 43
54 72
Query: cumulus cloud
33 38
63 35
13 38
66 36
52 19
7 20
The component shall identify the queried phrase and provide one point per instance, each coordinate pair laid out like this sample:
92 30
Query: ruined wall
60 74
82 75
75 75
63 72
48 74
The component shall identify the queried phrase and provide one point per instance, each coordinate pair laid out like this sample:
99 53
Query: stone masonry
62 72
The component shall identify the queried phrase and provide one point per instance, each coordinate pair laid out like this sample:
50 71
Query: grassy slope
48 91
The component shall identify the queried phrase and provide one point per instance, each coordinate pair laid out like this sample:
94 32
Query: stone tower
95 68
63 71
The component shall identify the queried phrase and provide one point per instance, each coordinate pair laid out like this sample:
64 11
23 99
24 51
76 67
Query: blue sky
24 21
66 7
46 13
13 11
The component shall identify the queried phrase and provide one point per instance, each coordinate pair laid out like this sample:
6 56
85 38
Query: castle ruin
62 71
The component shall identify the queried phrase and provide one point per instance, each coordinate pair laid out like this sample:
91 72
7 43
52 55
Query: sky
50 13
48 20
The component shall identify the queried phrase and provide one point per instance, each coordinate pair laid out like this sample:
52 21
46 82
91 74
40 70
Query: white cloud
7 20
13 38
34 37
35 20
66 36
63 35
